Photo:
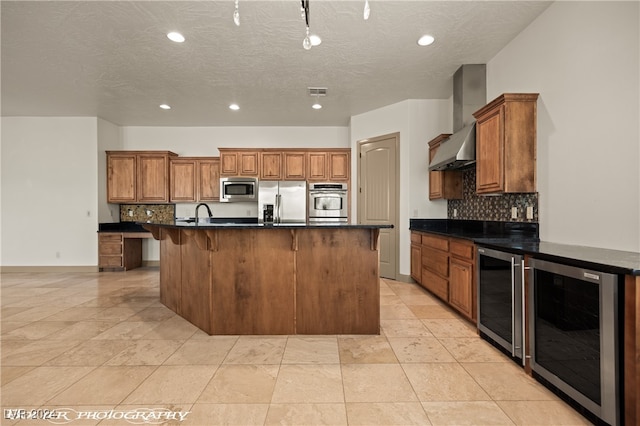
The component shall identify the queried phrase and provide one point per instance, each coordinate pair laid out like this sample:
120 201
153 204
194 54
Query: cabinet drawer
437 285
110 261
462 249
416 238
110 238
110 249
435 261
435 242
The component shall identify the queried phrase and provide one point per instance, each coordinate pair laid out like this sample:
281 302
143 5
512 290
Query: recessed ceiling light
165 106
425 40
175 36
315 40
234 107
316 105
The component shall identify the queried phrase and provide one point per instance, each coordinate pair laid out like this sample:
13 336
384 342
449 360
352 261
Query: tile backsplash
490 207
158 213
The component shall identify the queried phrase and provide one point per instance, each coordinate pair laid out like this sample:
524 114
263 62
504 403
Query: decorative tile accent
157 213
490 207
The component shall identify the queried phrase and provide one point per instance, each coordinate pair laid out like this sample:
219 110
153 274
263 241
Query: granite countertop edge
204 226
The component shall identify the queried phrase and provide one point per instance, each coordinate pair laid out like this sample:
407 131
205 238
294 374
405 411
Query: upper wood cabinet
271 165
195 179
506 144
138 176
339 164
317 165
294 165
331 165
313 164
443 184
239 162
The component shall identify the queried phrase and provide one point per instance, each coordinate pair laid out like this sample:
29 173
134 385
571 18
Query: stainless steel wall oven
573 320
501 300
328 202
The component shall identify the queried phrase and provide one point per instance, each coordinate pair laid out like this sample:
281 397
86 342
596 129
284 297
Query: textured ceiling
113 60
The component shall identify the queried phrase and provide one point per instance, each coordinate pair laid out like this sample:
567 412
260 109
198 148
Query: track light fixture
306 43
236 15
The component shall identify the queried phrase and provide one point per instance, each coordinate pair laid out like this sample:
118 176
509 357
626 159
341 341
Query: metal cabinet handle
513 309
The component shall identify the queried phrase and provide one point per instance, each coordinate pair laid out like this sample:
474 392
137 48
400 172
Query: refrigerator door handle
277 212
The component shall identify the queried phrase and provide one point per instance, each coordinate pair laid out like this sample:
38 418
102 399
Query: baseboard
405 279
8 269
151 263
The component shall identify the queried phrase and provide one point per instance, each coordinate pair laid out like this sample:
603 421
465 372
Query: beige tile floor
96 342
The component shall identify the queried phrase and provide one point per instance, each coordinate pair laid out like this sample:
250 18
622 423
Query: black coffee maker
267 213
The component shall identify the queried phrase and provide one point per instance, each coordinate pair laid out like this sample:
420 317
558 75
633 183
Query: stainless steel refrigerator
282 201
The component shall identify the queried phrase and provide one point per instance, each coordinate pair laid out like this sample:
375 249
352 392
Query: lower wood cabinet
460 286
416 257
120 250
446 267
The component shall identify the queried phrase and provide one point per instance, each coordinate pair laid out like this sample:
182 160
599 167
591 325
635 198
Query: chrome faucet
208 210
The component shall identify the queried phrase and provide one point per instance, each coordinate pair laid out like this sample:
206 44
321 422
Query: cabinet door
153 183
229 163
271 166
248 163
435 179
416 262
490 153
435 284
435 261
295 166
460 286
317 165
183 174
121 178
338 166
209 180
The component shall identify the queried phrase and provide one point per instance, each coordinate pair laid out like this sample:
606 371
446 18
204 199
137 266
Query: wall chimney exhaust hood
469 95
457 152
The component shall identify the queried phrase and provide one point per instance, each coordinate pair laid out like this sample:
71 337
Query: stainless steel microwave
237 189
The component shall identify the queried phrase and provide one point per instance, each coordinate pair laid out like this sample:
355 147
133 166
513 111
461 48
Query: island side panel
338 284
196 281
170 271
253 282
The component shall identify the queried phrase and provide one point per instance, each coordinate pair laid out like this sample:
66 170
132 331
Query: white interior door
378 195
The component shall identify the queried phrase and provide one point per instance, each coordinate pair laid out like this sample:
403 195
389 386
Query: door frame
395 230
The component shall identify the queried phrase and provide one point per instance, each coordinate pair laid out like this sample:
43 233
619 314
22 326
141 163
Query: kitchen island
271 279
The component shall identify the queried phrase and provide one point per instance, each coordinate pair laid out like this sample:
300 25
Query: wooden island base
271 280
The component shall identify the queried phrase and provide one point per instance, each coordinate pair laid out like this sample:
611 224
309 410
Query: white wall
108 140
417 121
205 141
583 59
49 197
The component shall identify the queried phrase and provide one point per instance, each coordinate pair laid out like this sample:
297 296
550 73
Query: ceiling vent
317 91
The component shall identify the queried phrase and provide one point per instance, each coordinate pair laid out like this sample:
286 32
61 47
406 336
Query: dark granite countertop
478 230
605 260
235 225
522 238
121 227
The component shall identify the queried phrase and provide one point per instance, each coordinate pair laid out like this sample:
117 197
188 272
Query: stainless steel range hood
469 95
457 152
